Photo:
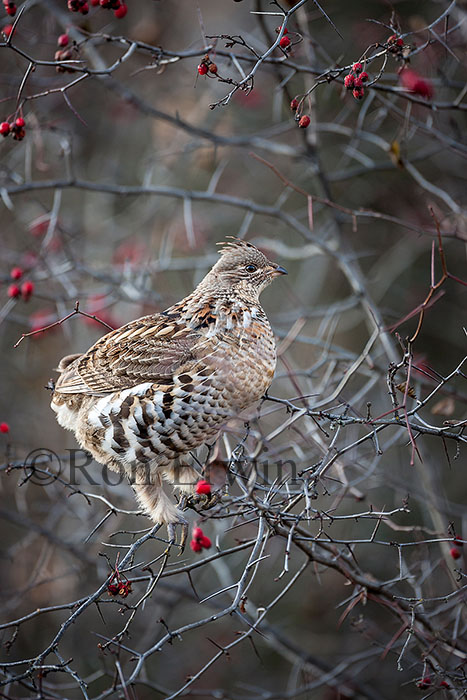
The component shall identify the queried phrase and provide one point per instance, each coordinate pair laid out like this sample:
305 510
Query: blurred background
116 197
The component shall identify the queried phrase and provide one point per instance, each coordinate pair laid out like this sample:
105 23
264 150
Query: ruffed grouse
151 391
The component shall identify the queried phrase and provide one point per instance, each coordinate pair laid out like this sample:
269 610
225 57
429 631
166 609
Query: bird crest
234 244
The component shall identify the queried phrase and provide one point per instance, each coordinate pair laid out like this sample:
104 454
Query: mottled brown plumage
151 391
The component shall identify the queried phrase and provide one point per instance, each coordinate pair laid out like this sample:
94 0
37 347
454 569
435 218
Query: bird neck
214 286
225 309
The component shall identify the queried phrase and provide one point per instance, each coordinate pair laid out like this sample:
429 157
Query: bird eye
251 268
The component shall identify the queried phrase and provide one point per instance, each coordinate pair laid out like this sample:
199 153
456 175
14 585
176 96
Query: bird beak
278 270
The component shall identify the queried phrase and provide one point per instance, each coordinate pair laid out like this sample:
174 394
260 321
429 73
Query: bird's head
243 269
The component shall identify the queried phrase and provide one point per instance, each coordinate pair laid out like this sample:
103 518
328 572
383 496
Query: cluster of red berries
16 128
415 83
304 120
355 81
454 551
285 41
119 8
63 54
78 6
4 428
14 290
121 586
199 540
10 7
207 66
425 683
395 45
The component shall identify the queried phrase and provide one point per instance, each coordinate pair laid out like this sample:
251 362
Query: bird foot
202 501
172 533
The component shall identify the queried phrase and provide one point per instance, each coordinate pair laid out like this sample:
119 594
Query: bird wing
147 349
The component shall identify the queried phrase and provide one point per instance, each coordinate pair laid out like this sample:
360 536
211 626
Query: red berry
364 76
349 81
7 29
11 10
18 134
20 123
63 40
124 589
202 69
444 684
400 42
284 42
27 289
39 226
304 122
358 82
13 291
392 39
414 82
203 487
212 68
4 428
294 105
112 589
4 128
454 552
94 3
199 541
16 273
424 682
121 11
278 29
358 93
84 9
357 67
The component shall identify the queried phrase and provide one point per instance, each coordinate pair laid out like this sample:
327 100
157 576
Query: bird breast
243 351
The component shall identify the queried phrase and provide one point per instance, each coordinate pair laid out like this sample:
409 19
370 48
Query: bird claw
202 501
171 531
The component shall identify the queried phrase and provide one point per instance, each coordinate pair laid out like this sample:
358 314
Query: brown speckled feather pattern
151 391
